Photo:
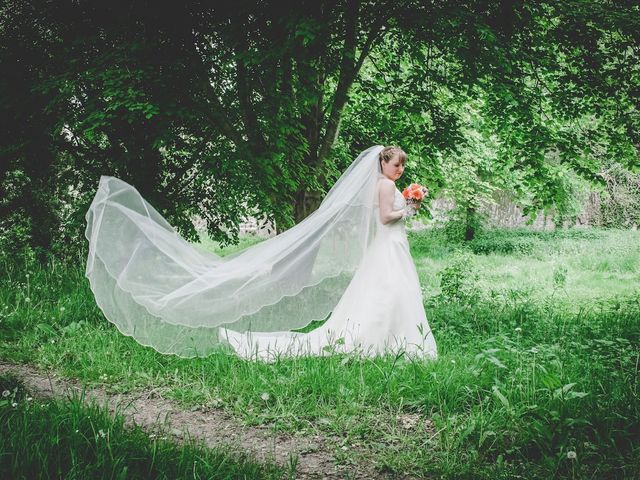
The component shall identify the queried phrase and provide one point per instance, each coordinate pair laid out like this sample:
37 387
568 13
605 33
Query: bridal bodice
399 203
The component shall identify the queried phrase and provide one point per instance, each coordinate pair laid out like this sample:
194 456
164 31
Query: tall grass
68 439
537 374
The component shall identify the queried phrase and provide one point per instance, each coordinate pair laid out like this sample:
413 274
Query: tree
223 110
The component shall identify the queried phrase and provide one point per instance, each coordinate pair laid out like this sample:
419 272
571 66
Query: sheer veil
173 296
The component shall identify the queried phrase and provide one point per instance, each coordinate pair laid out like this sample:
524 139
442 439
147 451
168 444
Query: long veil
173 296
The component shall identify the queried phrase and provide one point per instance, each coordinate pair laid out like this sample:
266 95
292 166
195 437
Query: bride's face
393 168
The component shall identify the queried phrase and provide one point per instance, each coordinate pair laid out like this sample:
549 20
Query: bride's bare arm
386 196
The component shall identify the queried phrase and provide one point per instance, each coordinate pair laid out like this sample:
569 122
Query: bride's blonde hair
387 153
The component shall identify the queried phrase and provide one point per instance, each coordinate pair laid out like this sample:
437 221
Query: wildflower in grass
29 399
27 300
572 455
101 433
265 396
6 393
518 329
14 404
62 309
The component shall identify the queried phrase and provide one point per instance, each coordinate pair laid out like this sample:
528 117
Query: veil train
175 297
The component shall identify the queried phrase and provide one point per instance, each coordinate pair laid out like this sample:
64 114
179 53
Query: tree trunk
305 203
37 201
470 228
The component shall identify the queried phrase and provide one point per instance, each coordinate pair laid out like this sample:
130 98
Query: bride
348 261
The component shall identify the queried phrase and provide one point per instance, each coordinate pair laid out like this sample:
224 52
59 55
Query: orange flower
415 192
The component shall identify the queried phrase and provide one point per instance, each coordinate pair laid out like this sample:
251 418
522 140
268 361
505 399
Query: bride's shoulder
386 181
386 185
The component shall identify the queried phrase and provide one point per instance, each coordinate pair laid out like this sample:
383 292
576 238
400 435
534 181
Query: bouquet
414 194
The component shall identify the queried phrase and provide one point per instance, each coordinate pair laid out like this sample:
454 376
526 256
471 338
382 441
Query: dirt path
213 427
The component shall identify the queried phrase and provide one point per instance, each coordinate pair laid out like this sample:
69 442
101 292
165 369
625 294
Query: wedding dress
381 310
341 260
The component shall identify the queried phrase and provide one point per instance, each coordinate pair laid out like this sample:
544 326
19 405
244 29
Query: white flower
518 329
572 455
29 399
101 433
6 393
14 404
265 396
62 309
27 300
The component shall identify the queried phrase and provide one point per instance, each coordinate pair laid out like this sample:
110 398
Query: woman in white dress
381 310
349 261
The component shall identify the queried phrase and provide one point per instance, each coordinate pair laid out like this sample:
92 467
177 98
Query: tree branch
257 142
350 67
347 76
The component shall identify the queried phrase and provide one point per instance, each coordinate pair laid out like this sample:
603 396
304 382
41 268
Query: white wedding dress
340 263
381 310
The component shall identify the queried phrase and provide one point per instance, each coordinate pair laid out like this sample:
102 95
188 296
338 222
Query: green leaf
500 396
496 362
46 328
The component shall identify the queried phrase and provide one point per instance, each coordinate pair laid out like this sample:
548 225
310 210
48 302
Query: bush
15 234
502 244
459 281
506 242
463 220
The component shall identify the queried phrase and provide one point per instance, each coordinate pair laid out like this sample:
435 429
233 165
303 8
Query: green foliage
463 223
523 241
620 202
459 281
505 244
15 232
560 276
258 109
67 439
523 375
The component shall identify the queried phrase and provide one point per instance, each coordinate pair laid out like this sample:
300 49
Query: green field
538 337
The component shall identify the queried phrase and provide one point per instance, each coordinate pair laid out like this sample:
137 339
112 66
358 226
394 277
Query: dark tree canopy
228 109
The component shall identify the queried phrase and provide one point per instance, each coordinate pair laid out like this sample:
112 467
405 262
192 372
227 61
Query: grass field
538 337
